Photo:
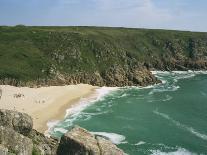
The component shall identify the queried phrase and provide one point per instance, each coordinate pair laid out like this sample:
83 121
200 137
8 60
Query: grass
30 53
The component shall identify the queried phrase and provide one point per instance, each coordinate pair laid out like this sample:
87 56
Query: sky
155 14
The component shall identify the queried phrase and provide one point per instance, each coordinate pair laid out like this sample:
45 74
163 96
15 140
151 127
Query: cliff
100 56
18 138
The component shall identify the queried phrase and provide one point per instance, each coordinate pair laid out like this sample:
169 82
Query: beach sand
43 104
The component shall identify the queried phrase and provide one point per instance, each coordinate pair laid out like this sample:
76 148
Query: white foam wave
140 143
75 111
50 126
85 102
168 98
183 126
164 89
113 137
62 130
179 151
178 72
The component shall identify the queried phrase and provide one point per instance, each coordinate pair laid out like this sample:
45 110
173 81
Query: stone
20 122
107 147
42 144
79 141
15 142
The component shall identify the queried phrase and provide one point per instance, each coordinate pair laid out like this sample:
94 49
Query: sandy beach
43 104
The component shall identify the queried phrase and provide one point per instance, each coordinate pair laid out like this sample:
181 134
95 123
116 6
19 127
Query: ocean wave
164 89
61 130
177 75
85 102
178 72
140 143
113 137
203 93
50 126
179 151
75 112
168 98
183 126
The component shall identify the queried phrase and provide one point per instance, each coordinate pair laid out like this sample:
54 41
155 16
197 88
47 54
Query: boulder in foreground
79 141
21 123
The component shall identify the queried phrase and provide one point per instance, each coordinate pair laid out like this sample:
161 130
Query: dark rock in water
15 142
22 123
79 141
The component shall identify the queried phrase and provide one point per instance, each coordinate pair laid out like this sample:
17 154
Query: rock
107 148
22 123
4 151
79 141
15 142
42 144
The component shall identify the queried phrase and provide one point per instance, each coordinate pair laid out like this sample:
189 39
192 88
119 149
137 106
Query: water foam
113 137
183 126
179 151
50 126
85 102
75 112
61 130
178 72
164 89
140 143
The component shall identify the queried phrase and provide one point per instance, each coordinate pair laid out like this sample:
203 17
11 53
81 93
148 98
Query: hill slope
98 56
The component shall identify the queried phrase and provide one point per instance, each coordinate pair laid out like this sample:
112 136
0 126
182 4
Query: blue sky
165 14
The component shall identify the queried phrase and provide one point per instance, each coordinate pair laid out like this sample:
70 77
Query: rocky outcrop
79 141
15 142
18 138
21 123
115 76
42 144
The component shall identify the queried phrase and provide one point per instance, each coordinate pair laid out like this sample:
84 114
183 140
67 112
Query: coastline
44 104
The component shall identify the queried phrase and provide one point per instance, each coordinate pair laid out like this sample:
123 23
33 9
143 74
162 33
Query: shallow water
169 118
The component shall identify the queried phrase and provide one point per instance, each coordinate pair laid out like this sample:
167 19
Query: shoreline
79 105
44 104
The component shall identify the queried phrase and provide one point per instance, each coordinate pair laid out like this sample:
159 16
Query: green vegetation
35 151
30 53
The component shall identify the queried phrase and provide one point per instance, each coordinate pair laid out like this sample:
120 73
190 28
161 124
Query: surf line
182 126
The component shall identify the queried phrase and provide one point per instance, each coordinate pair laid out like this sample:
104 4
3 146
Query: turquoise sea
169 118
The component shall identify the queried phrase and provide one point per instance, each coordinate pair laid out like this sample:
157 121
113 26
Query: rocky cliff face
41 56
115 76
18 138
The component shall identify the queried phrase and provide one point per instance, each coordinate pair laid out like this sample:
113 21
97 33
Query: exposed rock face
107 148
4 151
18 138
22 123
15 142
79 141
43 145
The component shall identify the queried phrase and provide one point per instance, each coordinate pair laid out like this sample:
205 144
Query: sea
164 119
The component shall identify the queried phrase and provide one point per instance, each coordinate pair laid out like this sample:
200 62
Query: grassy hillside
30 53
